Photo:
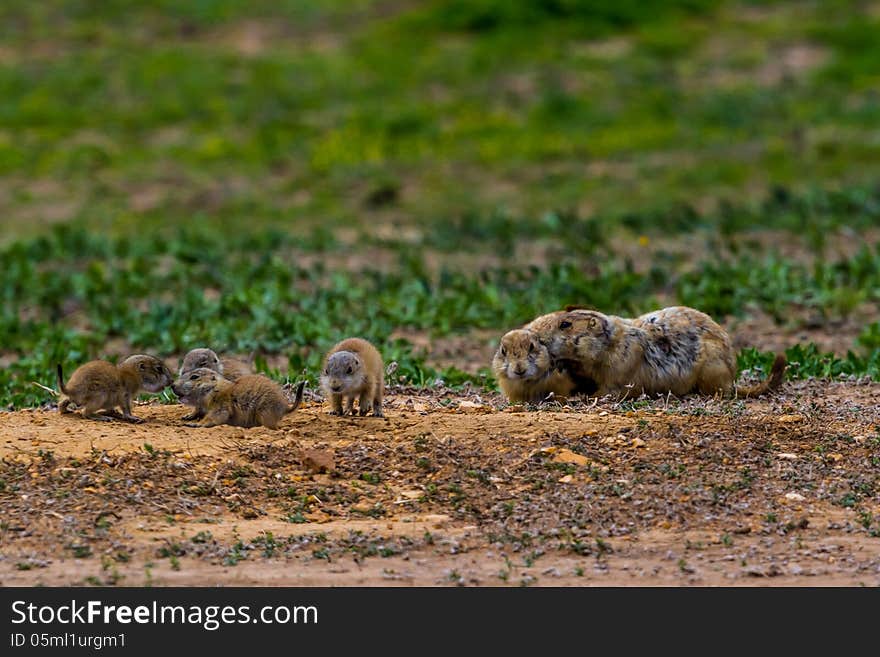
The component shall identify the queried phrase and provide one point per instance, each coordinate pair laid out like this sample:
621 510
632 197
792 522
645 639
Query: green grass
68 293
131 113
268 177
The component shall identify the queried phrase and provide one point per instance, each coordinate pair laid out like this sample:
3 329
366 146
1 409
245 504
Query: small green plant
235 554
80 551
202 537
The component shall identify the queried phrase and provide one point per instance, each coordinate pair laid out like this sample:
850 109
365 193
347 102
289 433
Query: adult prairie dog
102 386
524 369
353 369
251 401
230 368
675 350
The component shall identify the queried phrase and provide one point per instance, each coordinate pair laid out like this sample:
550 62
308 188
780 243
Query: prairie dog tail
297 399
61 380
773 381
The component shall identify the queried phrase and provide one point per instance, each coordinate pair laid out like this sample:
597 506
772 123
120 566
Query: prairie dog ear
592 322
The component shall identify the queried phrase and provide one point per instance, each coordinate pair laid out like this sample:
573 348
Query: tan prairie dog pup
353 369
102 386
253 400
230 368
524 369
676 350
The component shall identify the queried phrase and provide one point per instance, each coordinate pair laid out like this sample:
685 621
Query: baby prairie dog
102 386
230 368
353 369
251 401
675 350
524 369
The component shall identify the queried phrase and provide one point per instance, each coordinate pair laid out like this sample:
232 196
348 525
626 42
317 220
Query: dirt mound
451 489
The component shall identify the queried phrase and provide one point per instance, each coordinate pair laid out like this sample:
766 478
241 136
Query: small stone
794 497
363 507
788 456
790 418
436 520
567 456
318 460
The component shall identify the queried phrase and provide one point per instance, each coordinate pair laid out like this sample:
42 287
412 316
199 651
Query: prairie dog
250 401
524 369
675 350
354 369
102 386
230 368
545 327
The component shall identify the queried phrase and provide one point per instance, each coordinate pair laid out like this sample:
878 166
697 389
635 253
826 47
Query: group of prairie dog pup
676 350
224 390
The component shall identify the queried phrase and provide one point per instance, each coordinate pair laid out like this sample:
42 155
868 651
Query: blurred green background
270 176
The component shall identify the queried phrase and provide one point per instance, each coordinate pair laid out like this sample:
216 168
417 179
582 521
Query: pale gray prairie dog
525 371
230 368
100 387
353 369
675 350
253 400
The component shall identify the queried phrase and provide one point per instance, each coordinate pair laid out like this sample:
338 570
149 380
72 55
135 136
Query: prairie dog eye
193 377
142 367
531 347
503 351
565 324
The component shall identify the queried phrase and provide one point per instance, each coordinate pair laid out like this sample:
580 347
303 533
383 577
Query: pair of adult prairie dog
677 350
223 390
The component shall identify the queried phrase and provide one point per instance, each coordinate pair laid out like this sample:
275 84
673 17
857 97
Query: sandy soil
454 489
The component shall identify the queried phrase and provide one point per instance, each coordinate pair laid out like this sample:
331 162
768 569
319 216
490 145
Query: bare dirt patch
837 336
454 489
